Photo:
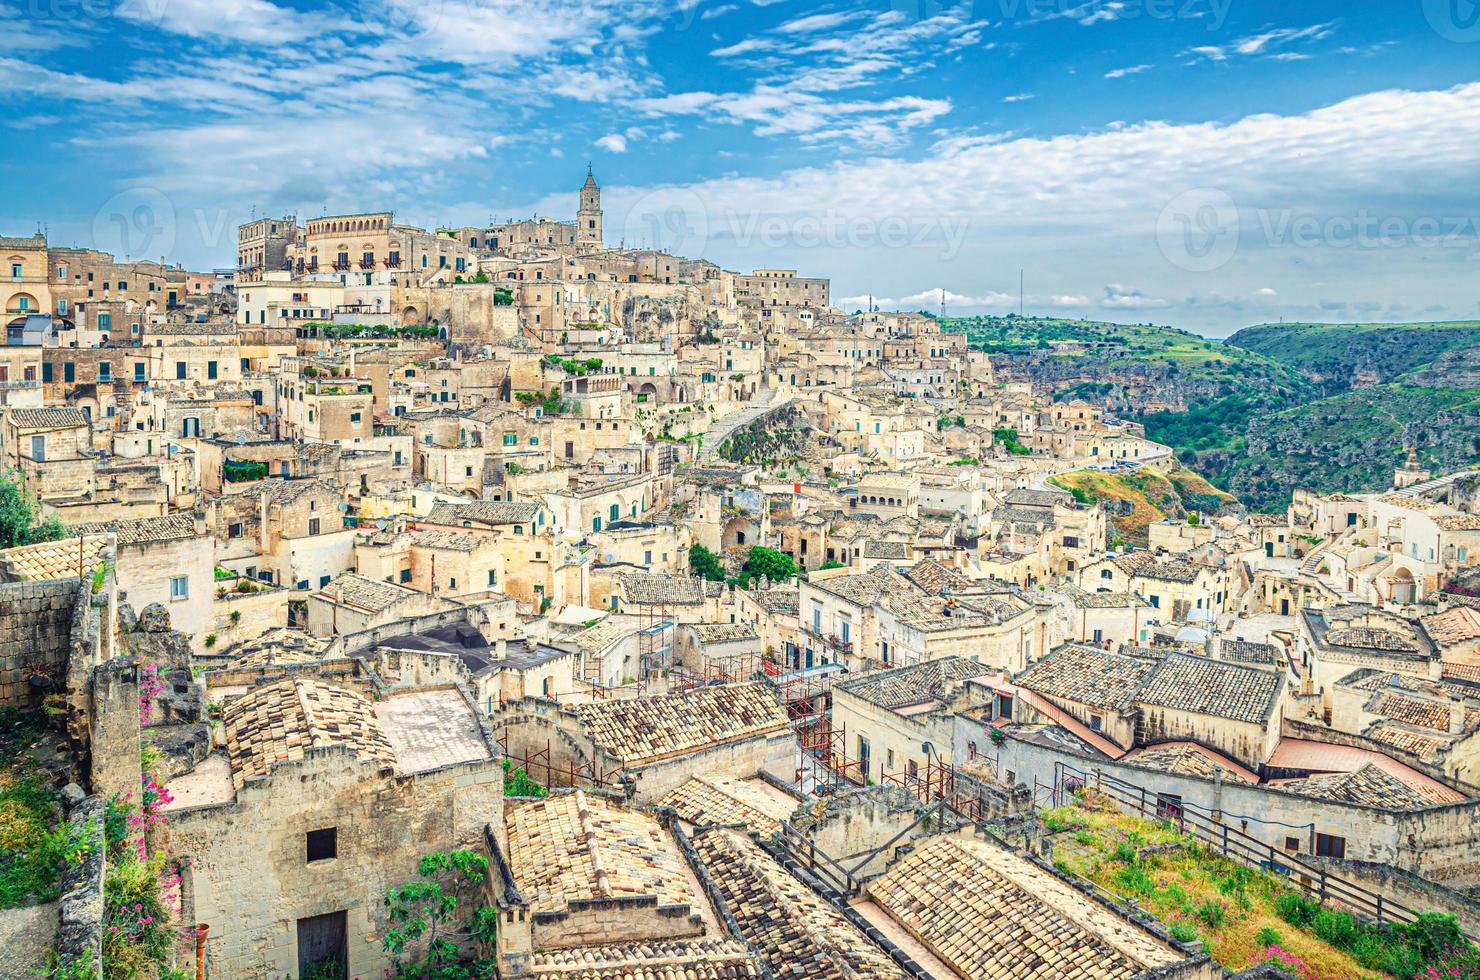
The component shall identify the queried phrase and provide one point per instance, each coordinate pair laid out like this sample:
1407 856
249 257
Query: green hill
1342 356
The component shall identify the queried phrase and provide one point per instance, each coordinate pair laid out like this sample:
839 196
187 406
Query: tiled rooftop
280 721
1094 677
143 530
373 595
716 800
993 915
1212 687
647 729
1189 759
47 418
1368 786
915 684
798 934
573 846
695 959
50 560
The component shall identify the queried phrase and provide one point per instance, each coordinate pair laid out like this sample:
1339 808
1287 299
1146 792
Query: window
492 578
313 525
322 845
105 321
38 448
179 587
1169 806
1095 723
139 371
234 530
105 371
405 575
324 580
1329 845
211 370
1292 844
46 371
180 370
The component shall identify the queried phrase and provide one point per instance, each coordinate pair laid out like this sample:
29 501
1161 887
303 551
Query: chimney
1456 717
501 649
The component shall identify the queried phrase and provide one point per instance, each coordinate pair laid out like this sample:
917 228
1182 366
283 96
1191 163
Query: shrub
1213 913
1183 932
1124 852
1267 937
1296 909
1134 880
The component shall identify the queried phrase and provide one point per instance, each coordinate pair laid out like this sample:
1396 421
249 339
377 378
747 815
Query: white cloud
613 143
1123 72
1020 97
1118 297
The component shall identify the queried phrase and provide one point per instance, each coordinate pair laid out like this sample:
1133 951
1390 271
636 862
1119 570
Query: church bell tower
588 218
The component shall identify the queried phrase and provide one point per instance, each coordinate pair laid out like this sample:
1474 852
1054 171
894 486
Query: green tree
775 565
20 516
432 907
706 564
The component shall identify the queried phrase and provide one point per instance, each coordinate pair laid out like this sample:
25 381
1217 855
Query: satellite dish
343 507
381 524
241 439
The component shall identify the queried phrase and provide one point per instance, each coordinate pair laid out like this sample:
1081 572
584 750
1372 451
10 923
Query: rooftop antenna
942 304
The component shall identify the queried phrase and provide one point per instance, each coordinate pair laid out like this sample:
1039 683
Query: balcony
394 262
368 263
832 641
342 266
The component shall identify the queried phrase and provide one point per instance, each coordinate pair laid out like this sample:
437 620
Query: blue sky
1206 163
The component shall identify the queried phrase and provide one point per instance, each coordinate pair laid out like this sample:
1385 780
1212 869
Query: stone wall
37 621
80 933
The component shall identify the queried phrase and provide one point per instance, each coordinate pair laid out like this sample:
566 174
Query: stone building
320 802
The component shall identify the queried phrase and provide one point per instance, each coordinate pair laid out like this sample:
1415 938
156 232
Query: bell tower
588 218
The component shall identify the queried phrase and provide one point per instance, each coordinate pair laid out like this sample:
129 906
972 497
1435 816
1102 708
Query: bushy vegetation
591 365
375 331
434 915
243 471
35 843
549 402
1246 916
20 516
517 782
1009 439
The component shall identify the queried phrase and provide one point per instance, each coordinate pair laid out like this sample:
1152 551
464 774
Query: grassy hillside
1139 499
1351 441
1242 916
1103 347
1340 356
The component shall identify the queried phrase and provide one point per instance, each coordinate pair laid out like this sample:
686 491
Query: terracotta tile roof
1243 651
1368 786
1094 677
352 589
798 934
932 576
914 684
1212 687
1422 743
992 915
1453 626
281 721
1370 638
646 589
722 801
1418 712
144 530
484 512
52 560
573 846
1190 759
698 959
723 632
645 730
46 418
